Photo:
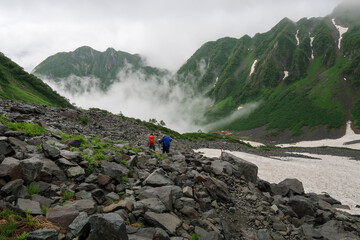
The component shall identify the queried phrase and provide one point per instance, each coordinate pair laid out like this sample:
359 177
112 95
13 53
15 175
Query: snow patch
297 38
344 79
253 67
313 173
341 30
216 80
349 140
311 45
286 74
239 107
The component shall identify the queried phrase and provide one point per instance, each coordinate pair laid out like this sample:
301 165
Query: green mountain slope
16 84
296 72
85 62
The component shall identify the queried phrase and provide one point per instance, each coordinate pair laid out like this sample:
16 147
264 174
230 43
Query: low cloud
244 111
137 95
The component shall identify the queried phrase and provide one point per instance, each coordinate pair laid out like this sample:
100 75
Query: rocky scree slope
95 178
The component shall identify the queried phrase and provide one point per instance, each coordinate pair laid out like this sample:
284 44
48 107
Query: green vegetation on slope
16 84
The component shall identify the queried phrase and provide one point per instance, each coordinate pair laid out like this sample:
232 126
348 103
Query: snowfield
337 176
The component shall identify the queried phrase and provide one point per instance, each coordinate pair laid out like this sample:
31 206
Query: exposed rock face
107 226
123 192
244 168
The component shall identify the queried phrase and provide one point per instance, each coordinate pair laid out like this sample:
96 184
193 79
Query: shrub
33 189
84 120
67 195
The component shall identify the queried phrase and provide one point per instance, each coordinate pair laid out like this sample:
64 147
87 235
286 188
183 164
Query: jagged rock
99 196
301 206
166 194
107 226
18 144
92 178
71 156
51 168
85 205
75 171
63 216
160 234
187 191
245 168
83 195
28 205
3 129
11 187
167 221
157 179
113 196
86 187
215 188
219 166
152 204
143 234
333 230
43 234
25 109
5 147
263 234
115 170
190 212
103 179
73 143
42 200
67 163
205 235
310 232
11 169
50 151
123 204
80 227
31 169
292 184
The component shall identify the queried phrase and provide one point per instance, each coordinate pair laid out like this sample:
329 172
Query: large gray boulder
11 169
301 206
11 187
108 226
166 194
28 205
80 227
85 205
75 171
245 168
63 216
169 222
71 156
157 179
292 185
152 204
5 147
31 169
50 151
115 170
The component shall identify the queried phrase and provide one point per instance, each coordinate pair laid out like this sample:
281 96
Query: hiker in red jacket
152 142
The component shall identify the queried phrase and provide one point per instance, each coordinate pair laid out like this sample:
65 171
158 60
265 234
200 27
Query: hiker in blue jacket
166 143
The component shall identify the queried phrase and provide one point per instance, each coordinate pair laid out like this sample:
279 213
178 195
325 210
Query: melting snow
350 136
253 67
286 74
311 44
341 30
216 80
338 176
297 38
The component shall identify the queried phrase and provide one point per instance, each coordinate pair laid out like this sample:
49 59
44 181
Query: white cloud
167 33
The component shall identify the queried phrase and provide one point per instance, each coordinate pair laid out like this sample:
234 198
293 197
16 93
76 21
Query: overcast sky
166 32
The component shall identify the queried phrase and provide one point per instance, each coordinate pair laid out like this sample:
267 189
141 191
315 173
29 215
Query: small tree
152 120
162 123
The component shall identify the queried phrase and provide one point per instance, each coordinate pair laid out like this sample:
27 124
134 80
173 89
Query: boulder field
90 174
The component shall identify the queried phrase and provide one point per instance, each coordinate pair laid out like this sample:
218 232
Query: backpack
167 141
151 140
